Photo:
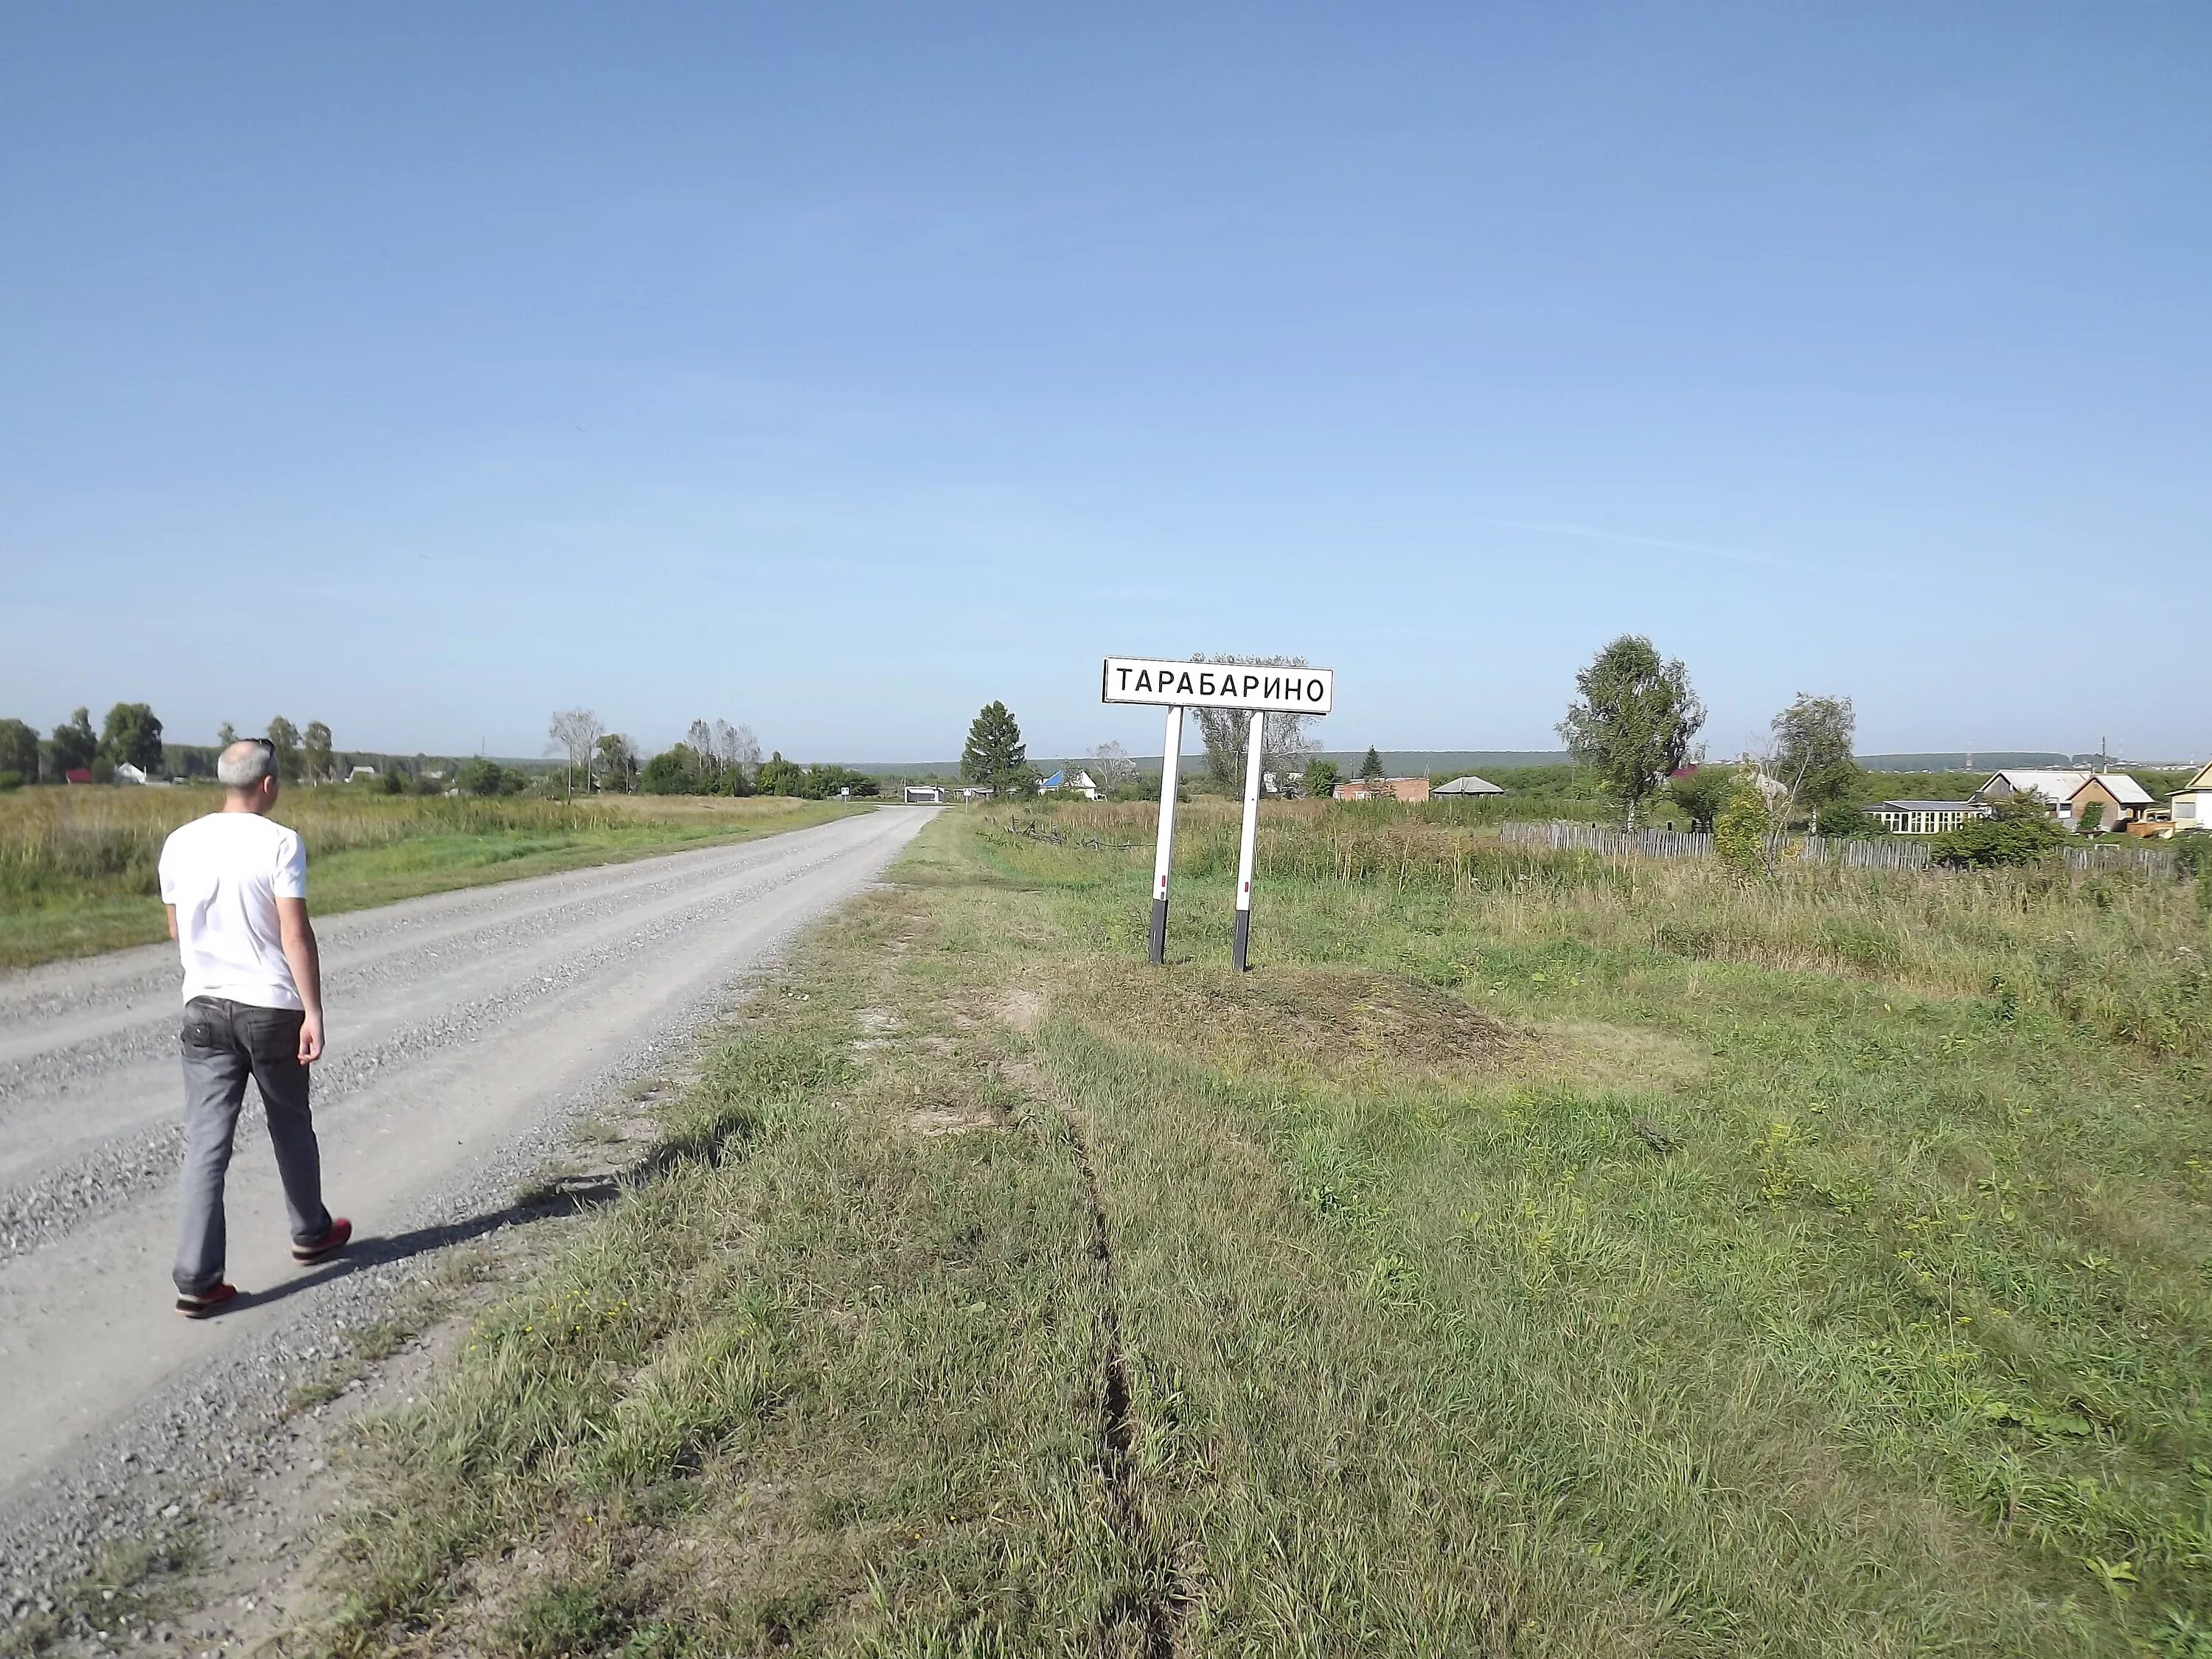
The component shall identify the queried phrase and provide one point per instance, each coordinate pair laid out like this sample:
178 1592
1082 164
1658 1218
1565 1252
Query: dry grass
1300 1018
78 866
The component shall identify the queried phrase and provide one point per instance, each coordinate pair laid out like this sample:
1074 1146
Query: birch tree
1284 741
1633 720
1812 754
575 732
735 747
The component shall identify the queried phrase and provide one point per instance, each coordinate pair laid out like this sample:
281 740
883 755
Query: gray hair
246 763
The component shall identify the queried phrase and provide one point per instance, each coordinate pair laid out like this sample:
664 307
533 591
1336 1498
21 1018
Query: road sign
1180 685
1217 685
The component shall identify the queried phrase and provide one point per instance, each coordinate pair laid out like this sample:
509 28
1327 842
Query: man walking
236 886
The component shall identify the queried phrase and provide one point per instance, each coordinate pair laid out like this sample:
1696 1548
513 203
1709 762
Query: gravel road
463 1028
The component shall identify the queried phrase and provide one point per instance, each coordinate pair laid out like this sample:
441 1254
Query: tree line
133 735
712 757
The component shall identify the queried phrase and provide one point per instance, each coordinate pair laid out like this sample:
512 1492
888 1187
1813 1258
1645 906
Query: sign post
1258 689
1163 854
1255 745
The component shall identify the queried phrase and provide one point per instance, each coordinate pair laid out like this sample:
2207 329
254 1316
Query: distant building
976 791
1411 790
1926 818
1072 783
126 773
2192 804
925 794
362 774
2053 787
2123 799
1468 786
78 775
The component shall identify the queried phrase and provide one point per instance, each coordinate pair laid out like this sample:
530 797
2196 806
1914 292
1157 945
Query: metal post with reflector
1254 754
1163 854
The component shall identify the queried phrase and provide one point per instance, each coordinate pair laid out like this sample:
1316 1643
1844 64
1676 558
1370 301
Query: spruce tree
995 754
1371 767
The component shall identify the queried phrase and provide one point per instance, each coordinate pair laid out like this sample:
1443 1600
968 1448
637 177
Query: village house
1466 788
1412 790
925 794
362 774
2192 804
2121 798
1072 783
2054 787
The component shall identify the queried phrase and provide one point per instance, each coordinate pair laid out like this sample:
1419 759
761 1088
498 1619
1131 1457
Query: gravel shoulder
470 1032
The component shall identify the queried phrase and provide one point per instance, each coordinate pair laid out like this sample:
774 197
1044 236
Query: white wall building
2192 804
1925 817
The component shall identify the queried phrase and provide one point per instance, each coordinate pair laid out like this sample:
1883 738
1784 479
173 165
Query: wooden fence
1852 852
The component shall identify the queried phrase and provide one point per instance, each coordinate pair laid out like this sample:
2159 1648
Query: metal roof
2122 788
1469 785
1930 806
2052 784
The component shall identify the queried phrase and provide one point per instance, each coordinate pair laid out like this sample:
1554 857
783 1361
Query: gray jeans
225 1043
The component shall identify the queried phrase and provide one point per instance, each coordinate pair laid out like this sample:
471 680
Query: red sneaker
329 1244
207 1301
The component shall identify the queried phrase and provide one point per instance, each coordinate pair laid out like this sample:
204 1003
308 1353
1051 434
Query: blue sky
835 369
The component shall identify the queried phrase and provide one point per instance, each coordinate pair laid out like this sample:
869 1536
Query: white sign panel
1217 685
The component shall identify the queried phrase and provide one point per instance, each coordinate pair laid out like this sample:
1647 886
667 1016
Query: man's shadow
565 1196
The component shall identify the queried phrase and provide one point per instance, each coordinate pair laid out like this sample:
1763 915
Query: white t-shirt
224 873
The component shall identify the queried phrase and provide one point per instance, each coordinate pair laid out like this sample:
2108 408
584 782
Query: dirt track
459 1026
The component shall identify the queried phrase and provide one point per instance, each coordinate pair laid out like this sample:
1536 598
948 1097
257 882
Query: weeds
1491 1271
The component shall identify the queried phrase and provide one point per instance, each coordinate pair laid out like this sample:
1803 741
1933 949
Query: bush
485 776
2193 852
1987 843
668 772
1740 833
1320 780
391 783
11 780
779 777
1842 819
1703 794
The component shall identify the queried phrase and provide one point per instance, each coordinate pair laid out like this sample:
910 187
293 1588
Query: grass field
1535 1256
77 867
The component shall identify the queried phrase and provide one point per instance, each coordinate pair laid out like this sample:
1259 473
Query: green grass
1535 1256
77 867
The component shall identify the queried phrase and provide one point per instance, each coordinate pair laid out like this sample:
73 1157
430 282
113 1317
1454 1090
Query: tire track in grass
1151 1606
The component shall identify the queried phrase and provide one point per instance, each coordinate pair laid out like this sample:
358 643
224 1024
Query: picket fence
1852 852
